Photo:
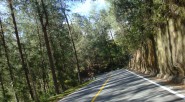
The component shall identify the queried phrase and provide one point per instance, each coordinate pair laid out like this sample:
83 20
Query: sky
87 6
83 8
3 8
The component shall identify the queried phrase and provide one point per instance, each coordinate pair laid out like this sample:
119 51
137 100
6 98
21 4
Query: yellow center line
94 98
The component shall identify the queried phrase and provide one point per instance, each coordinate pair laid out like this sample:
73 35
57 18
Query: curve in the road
122 86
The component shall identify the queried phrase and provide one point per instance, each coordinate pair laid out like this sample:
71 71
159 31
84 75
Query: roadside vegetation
67 92
47 52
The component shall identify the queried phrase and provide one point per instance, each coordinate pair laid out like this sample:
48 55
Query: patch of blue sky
3 10
84 8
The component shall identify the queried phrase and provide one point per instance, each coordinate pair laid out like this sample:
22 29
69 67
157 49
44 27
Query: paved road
122 86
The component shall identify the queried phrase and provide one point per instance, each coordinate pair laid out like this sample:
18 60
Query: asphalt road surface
121 86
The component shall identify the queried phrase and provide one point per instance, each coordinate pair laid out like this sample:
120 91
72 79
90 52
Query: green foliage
67 92
103 42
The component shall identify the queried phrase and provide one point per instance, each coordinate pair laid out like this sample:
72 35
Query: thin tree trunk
44 29
32 74
57 64
110 54
3 89
7 60
42 59
63 65
20 49
74 47
116 48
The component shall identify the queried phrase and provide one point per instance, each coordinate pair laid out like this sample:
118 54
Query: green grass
67 92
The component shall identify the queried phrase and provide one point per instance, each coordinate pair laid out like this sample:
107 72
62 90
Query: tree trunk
63 65
111 59
3 89
116 48
74 47
50 56
155 54
7 60
174 70
42 59
20 49
32 75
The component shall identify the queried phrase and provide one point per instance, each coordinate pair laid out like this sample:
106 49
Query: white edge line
163 87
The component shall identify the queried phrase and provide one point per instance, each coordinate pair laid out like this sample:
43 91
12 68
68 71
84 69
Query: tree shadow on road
122 87
127 87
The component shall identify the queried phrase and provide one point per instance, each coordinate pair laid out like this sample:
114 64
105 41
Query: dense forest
45 49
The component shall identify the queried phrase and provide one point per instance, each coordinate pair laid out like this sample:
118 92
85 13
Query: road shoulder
176 89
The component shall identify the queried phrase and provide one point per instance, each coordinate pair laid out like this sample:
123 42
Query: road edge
163 87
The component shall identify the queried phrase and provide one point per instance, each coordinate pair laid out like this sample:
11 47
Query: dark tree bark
150 13
155 54
7 59
42 58
44 29
32 74
2 86
74 47
63 65
20 49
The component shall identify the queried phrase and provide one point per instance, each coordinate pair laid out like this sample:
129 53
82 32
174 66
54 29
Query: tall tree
73 43
48 47
20 49
2 87
7 59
